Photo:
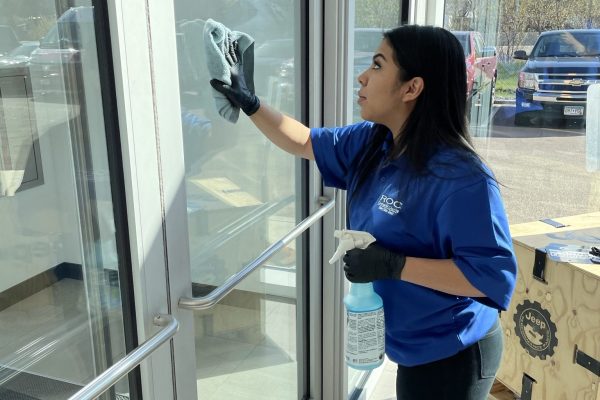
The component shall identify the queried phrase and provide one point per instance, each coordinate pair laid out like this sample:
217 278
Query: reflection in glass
20 159
370 22
241 198
61 320
533 131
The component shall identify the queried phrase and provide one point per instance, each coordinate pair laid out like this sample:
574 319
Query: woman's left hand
373 263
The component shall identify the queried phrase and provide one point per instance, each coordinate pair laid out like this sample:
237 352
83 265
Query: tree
460 15
377 13
585 14
542 16
512 28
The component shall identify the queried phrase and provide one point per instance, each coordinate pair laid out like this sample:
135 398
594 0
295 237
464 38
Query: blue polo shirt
455 212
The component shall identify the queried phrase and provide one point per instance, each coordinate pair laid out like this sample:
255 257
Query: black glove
238 92
373 263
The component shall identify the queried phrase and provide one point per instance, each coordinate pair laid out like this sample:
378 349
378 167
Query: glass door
367 26
243 194
64 277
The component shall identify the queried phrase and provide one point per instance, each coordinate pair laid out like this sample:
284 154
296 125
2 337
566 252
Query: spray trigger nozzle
350 240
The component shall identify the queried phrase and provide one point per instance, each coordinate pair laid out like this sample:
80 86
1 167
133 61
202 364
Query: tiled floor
243 351
385 388
52 328
47 329
247 351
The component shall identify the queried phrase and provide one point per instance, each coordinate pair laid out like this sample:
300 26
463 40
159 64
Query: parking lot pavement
541 168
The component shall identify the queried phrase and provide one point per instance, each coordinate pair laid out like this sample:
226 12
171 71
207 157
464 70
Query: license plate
573 110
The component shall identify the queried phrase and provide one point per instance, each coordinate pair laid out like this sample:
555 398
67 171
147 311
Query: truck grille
567 83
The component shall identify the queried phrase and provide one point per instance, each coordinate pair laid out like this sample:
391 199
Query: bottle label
366 337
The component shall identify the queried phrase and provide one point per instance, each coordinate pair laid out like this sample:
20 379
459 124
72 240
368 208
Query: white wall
40 225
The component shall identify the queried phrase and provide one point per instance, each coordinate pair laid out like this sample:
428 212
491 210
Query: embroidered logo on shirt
389 205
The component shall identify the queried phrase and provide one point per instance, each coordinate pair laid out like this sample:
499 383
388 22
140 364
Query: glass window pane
371 19
61 319
241 197
527 100
531 117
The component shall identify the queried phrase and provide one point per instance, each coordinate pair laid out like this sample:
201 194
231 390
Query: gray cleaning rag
216 45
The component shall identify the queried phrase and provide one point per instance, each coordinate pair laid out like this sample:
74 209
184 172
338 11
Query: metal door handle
121 368
202 303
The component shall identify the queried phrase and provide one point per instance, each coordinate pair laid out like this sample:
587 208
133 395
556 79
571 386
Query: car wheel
522 120
575 123
468 108
493 93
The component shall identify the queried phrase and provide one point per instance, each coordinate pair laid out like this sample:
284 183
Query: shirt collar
388 143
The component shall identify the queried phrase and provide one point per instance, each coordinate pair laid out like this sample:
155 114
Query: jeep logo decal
535 329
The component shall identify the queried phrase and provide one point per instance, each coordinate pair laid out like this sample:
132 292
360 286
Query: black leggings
467 375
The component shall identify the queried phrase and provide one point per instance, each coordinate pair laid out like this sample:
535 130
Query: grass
508 75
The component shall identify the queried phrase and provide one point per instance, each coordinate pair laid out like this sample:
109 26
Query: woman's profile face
381 91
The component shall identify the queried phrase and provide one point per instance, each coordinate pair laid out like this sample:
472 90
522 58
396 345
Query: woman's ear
413 89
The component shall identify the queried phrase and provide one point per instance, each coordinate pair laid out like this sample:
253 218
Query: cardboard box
552 328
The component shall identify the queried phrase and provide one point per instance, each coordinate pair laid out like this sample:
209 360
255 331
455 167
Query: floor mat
6 394
26 386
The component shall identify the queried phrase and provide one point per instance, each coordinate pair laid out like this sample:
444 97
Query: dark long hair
438 118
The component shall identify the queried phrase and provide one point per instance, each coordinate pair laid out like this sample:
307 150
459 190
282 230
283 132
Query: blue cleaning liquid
365 344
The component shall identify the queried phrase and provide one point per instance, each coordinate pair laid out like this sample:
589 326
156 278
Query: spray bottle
365 343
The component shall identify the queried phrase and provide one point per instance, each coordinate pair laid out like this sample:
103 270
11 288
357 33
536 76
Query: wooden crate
501 392
552 328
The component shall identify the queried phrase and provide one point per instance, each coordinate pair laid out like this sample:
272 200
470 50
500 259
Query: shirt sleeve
473 228
336 149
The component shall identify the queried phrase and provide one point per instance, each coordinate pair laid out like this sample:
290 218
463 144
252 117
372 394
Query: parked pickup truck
554 80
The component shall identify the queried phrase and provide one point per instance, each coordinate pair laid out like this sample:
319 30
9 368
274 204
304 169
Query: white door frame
147 88
337 106
336 110
426 12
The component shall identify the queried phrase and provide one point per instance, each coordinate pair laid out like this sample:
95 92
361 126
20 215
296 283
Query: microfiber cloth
215 47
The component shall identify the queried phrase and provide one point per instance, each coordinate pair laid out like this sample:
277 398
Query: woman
443 260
